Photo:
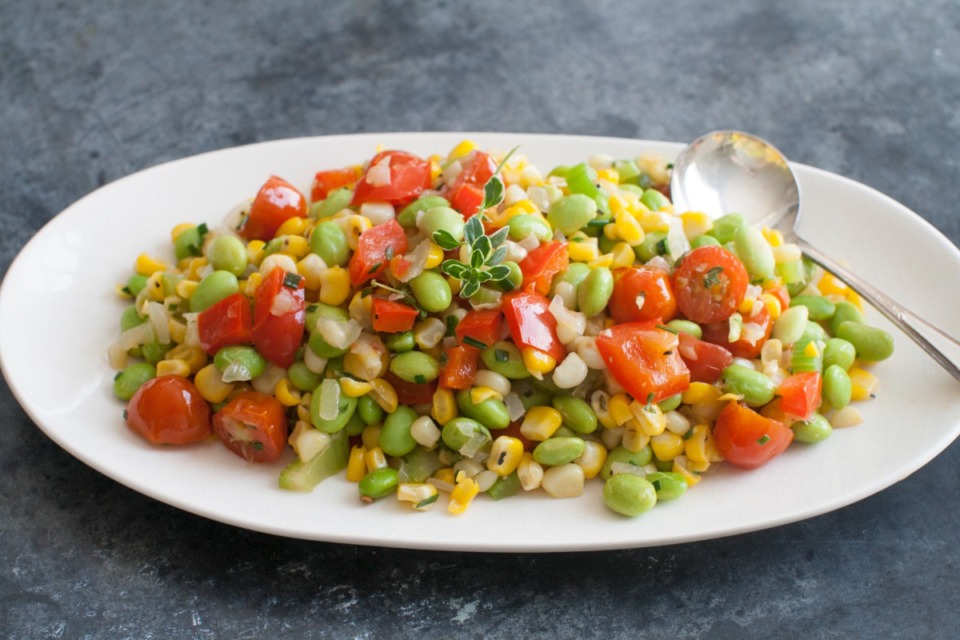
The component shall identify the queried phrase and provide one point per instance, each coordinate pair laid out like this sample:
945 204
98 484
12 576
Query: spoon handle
894 311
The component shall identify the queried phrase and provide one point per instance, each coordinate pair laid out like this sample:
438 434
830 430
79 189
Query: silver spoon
731 171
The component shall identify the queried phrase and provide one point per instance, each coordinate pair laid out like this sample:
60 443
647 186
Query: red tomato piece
409 176
531 323
225 323
748 440
253 425
459 367
376 247
645 360
410 392
653 286
169 410
710 284
705 361
478 168
326 181
513 430
482 325
544 262
276 202
756 330
466 199
800 394
392 317
279 314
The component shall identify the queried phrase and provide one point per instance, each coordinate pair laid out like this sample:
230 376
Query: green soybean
407 217
504 358
789 327
457 432
170 282
559 450
395 438
872 344
839 352
491 413
837 388
671 403
570 213
819 307
154 352
816 429
594 292
188 243
504 487
525 225
629 495
844 312
654 200
303 378
346 406
726 226
415 366
754 252
400 342
652 245
322 348
530 398
756 388
636 458
336 200
442 219
330 243
704 241
212 289
685 326
355 425
130 318
136 283
126 383
244 361
576 413
379 483
604 243
228 253
431 291
318 310
369 411
574 275
668 485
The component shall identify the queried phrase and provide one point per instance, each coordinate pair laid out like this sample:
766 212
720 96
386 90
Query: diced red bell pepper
326 181
392 317
645 360
531 323
482 325
544 262
376 246
226 323
800 394
410 392
459 368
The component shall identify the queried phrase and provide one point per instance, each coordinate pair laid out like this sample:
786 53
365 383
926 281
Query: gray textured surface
93 91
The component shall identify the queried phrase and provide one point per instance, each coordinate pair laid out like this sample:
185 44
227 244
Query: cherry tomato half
225 323
276 202
326 181
531 322
375 248
169 410
756 330
279 315
544 262
645 360
748 440
652 286
710 284
253 425
706 361
409 176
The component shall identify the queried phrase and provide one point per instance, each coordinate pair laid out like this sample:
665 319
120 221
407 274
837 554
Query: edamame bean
570 213
136 283
432 291
789 327
504 487
407 217
816 429
415 366
629 495
604 243
668 485
819 307
872 344
813 331
126 382
457 432
330 243
228 253
652 245
725 226
575 274
491 413
671 403
576 413
685 326
322 348
243 362
594 292
558 450
154 352
395 438
336 200
756 388
504 358
625 456
754 252
526 224
839 352
355 425
400 342
212 289
844 312
837 387
368 409
379 483
346 406
170 282
188 243
130 318
654 200
530 398
442 219
303 378
704 241
318 310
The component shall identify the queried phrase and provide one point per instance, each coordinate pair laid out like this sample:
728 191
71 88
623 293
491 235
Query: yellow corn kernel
354 226
178 330
173 368
592 460
863 383
695 224
537 362
252 283
811 350
375 459
444 406
294 246
600 402
356 464
286 393
334 286
746 307
526 206
854 298
619 408
464 147
435 168
210 385
680 465
195 357
147 266
618 204
384 394
831 285
479 394
361 308
605 260
529 472
774 237
454 284
192 270
623 255
634 439
463 494
292 227
649 416
609 174
421 495
772 303
434 257
310 267
583 249
255 251
370 436
180 228
445 475
505 455
667 446
628 228
154 286
652 221
540 423
185 288
700 392
354 388
695 447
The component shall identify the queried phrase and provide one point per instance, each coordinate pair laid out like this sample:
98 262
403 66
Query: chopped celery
304 476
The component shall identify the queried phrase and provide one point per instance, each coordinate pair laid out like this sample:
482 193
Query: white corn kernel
564 481
425 432
571 372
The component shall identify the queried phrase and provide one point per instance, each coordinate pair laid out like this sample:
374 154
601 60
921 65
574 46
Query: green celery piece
304 476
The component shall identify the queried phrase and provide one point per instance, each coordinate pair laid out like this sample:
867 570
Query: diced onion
529 243
846 417
513 194
236 372
587 350
378 175
626 467
117 355
440 484
570 324
329 399
514 406
658 262
314 363
451 172
267 381
284 302
136 336
378 212
485 479
677 243
417 259
339 334
158 320
473 445
515 252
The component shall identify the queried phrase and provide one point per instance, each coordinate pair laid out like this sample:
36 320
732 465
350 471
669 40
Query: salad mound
466 324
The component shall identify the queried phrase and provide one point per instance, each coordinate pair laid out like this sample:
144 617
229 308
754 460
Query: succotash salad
466 325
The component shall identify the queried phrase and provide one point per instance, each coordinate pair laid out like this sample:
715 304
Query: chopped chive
662 247
127 291
419 379
452 322
649 399
258 446
312 308
666 328
202 229
764 439
388 254
428 501
124 414
374 269
656 485
119 373
292 280
712 278
473 342
500 355
598 223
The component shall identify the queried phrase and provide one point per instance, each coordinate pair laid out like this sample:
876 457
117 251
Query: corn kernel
444 406
255 251
529 472
421 495
505 455
606 260
863 383
680 465
192 270
286 393
384 394
830 284
154 286
479 394
667 446
609 174
592 460
179 229
195 357
354 226
695 224
583 249
210 385
147 266
334 285
628 228
653 221
434 257
178 330
811 350
354 388
634 438
375 459
854 298
699 392
370 436
462 149
173 368
185 288
746 307
649 416
295 246
463 494
295 226
623 256
540 423
695 447
356 464
619 407
252 283
445 475
618 204
537 362
772 303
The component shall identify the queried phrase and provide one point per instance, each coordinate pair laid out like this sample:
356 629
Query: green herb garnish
764 439
473 342
712 278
